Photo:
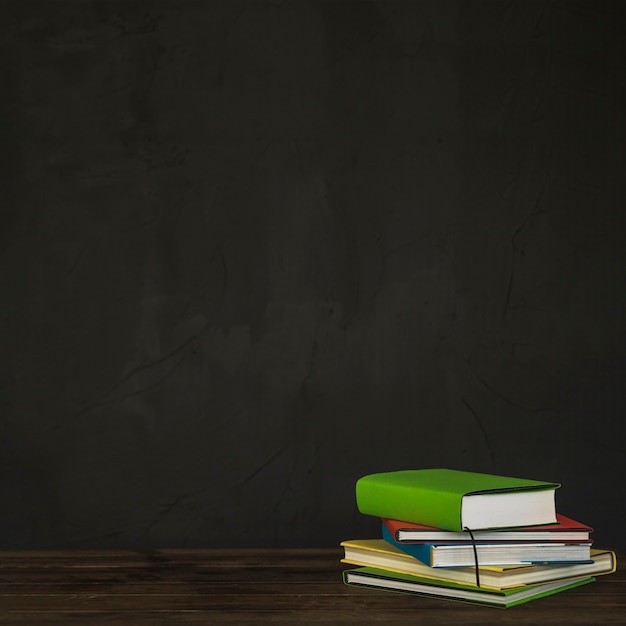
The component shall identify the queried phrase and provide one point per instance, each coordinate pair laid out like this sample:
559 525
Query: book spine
421 551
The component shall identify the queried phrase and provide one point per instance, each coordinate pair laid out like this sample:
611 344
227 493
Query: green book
390 581
456 500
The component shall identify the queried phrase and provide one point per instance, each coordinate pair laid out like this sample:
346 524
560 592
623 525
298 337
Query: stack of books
480 538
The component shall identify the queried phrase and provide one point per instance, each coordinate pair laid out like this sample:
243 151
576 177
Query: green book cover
384 580
434 497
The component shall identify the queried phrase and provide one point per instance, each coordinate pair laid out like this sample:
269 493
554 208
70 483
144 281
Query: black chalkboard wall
251 251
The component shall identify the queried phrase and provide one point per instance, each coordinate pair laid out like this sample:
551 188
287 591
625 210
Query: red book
566 530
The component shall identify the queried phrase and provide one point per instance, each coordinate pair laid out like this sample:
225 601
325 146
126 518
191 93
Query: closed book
467 554
376 578
566 530
456 500
381 554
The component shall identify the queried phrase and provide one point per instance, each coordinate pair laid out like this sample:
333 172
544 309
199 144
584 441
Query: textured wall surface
253 250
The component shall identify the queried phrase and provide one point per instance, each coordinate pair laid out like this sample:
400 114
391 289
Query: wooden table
252 587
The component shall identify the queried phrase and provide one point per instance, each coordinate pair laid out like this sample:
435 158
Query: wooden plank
268 599
291 586
250 586
419 616
217 557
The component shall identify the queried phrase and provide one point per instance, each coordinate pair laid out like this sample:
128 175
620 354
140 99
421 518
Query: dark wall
251 251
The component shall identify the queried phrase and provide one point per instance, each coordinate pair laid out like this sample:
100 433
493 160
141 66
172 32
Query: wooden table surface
252 587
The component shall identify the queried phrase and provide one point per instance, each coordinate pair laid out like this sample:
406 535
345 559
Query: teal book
385 580
457 500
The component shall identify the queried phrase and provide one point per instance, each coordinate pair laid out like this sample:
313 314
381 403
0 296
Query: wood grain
251 587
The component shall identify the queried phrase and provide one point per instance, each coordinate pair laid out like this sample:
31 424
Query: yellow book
381 554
